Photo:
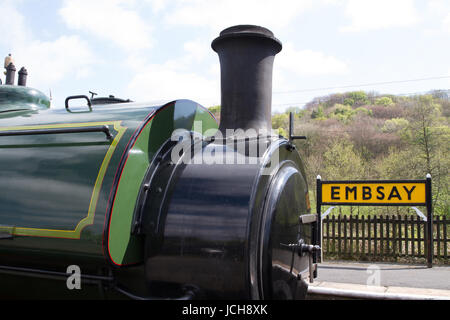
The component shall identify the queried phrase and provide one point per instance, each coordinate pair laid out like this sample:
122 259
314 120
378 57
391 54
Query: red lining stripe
126 152
111 208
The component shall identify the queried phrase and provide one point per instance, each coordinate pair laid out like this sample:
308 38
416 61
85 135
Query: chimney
22 77
246 54
10 74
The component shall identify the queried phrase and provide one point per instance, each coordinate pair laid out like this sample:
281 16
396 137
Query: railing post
445 236
429 229
319 256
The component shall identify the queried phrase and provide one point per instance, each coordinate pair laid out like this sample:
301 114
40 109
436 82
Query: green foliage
400 164
215 109
391 138
395 125
364 111
384 101
280 120
341 162
349 102
424 116
359 97
319 114
282 132
343 113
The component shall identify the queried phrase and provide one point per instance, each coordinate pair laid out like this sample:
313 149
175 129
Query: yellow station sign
374 193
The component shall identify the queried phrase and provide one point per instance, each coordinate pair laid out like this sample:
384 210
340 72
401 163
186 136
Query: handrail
77 97
104 129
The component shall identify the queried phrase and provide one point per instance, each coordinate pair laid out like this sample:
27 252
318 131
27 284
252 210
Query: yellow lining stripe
89 220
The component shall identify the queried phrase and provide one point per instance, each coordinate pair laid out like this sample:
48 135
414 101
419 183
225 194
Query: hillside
359 135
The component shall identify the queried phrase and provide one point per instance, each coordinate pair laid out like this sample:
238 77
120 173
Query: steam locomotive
155 201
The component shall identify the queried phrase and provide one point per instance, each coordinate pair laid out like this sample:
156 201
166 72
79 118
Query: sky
153 50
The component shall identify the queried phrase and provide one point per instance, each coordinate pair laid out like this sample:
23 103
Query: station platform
380 281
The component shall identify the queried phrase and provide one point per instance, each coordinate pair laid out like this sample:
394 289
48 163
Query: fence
383 237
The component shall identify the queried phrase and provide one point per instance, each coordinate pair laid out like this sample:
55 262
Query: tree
379 137
384 101
359 97
428 141
342 162
395 125
319 114
280 120
424 116
343 112
349 102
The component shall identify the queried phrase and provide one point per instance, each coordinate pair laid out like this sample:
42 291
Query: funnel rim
246 31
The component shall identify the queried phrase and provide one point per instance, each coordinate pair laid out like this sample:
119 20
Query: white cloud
438 6
184 77
220 14
114 20
446 23
158 5
48 62
188 77
166 82
367 15
437 17
439 11
12 24
293 66
197 49
309 62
